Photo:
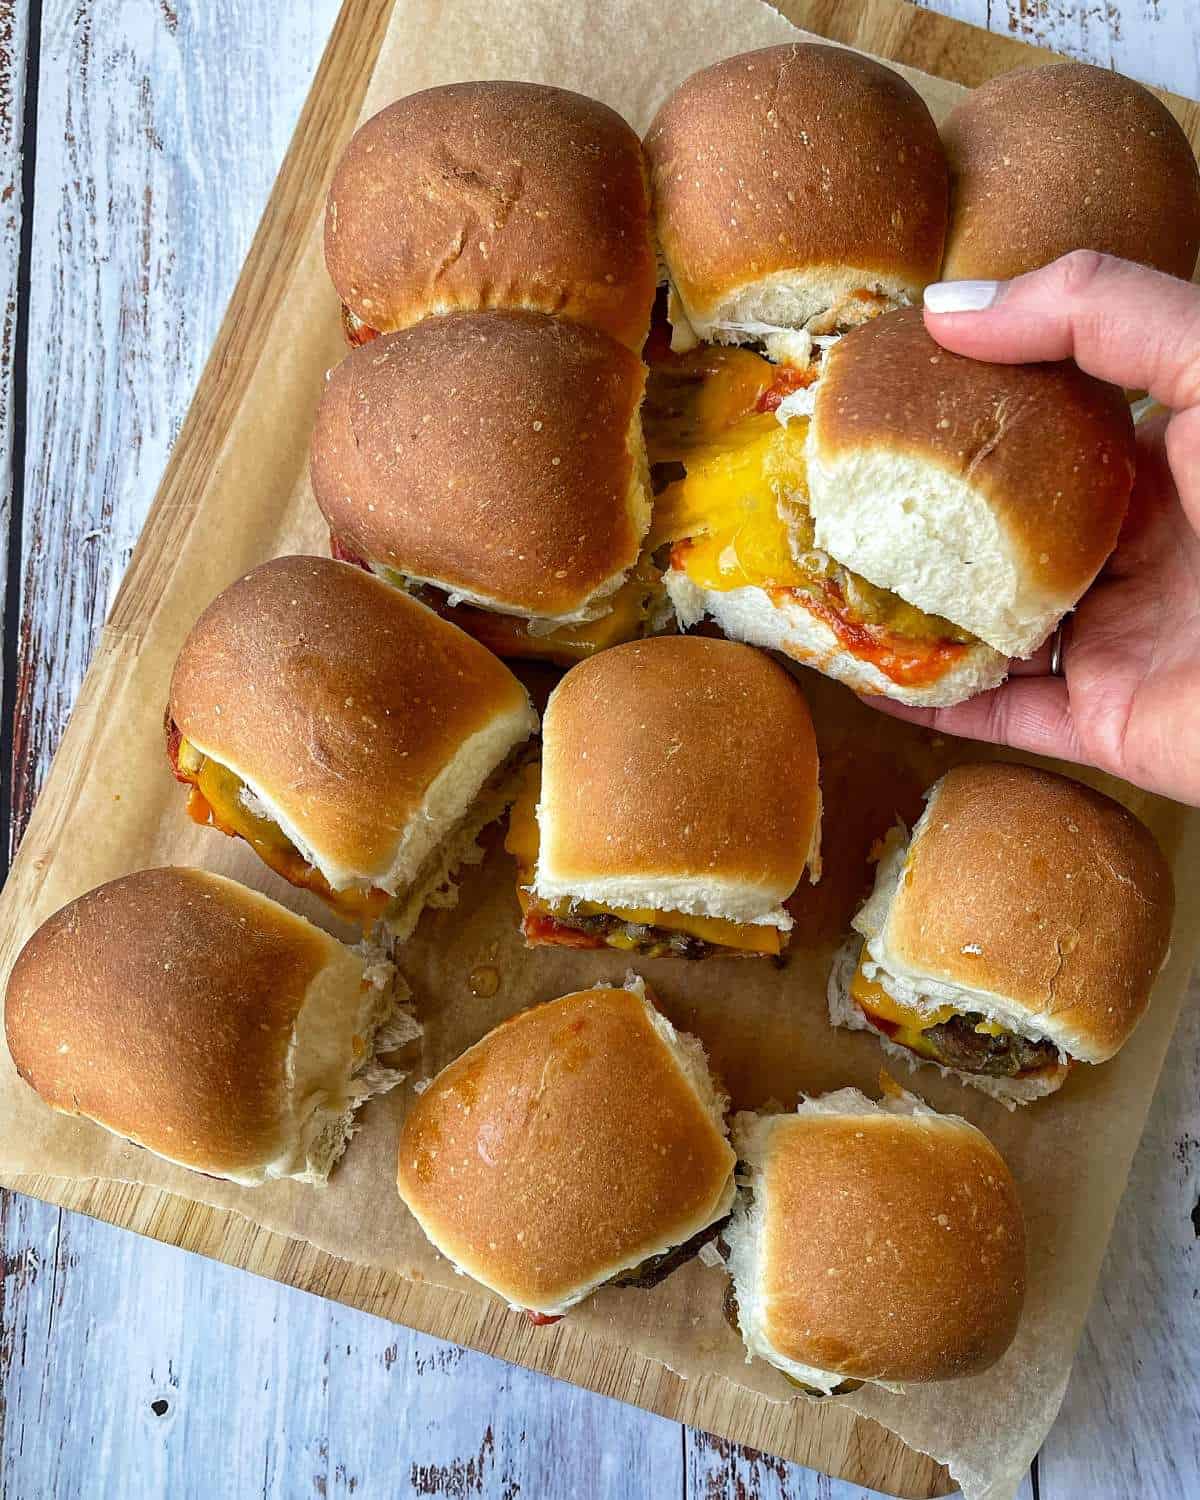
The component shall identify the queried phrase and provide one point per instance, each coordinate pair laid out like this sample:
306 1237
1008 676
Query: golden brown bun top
161 1005
682 759
488 452
793 157
493 194
565 1145
1041 890
339 698
1068 157
1051 449
893 1246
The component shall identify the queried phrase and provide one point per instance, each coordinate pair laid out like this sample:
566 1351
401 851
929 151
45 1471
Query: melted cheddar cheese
216 801
738 517
905 1024
522 841
509 636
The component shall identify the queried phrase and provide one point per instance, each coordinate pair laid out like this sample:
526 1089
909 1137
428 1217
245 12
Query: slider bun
493 194
571 1143
988 494
751 615
1068 157
204 1022
1031 898
678 773
879 1242
789 179
497 455
365 723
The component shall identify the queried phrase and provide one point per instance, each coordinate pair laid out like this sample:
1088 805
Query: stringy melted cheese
739 515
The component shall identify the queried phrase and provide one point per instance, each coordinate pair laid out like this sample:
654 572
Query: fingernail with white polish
960 296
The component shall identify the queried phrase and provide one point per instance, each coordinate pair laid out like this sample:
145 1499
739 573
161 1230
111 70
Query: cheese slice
872 996
906 1024
739 516
510 636
742 510
216 800
522 841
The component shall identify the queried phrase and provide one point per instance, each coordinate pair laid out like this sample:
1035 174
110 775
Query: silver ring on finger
1056 651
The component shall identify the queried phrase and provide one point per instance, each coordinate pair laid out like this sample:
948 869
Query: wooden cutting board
825 1437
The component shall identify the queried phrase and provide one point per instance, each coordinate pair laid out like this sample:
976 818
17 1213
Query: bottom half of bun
784 621
1017 1088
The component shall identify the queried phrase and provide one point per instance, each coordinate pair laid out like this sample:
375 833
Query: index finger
1119 321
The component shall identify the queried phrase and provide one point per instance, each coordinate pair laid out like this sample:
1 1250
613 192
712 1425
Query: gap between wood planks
23 138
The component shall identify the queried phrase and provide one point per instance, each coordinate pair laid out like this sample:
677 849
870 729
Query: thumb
1119 321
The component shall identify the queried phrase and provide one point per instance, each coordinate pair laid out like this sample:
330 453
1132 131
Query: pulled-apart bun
204 1022
493 194
496 455
874 1242
1030 899
574 1142
358 723
988 494
792 626
798 186
1047 160
680 774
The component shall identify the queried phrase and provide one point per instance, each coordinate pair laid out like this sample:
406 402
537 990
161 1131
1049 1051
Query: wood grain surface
153 134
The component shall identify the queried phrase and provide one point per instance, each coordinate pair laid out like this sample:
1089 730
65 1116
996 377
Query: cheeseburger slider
494 462
1017 932
1068 157
874 1242
355 740
580 1144
934 516
678 803
204 1022
800 188
492 194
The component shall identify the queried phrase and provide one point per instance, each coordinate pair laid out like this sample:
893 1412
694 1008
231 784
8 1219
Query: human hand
1129 699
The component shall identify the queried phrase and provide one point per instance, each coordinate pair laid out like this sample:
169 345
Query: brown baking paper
765 1027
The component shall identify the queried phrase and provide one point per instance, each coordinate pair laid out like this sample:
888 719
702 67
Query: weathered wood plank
161 129
176 89
176 1376
1130 1424
14 44
1154 41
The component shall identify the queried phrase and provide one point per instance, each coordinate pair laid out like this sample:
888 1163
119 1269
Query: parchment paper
765 1028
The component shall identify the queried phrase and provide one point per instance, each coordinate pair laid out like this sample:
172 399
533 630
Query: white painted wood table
138 142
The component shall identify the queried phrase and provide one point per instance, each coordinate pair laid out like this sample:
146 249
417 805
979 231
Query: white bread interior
734 901
796 299
909 526
749 614
844 1012
744 1236
352 1012
449 800
432 885
693 1063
